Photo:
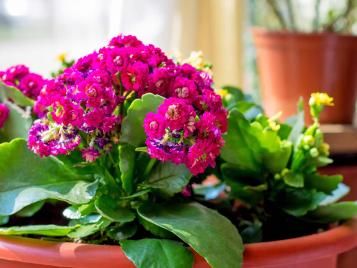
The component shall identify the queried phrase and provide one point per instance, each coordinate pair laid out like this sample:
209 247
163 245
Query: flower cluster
182 132
4 114
82 107
20 77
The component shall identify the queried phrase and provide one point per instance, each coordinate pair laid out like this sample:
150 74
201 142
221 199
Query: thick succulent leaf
158 253
17 124
299 201
168 178
210 234
27 179
335 212
127 166
241 147
109 208
275 152
341 191
15 95
4 220
122 232
323 183
88 229
132 126
30 210
47 230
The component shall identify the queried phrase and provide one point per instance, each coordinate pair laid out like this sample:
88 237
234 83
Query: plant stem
316 21
291 15
149 167
331 26
277 13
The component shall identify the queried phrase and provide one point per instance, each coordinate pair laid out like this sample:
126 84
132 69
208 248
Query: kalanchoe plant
118 137
272 170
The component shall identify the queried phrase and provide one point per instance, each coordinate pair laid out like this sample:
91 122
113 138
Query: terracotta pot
291 65
318 250
349 172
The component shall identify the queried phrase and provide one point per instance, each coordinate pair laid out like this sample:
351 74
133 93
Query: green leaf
158 253
155 229
89 229
127 165
294 179
132 126
17 124
168 178
122 232
323 183
15 95
30 210
299 201
4 220
109 208
27 179
335 212
47 230
275 152
341 191
88 219
210 234
241 146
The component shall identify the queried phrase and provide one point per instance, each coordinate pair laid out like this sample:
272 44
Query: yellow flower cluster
319 98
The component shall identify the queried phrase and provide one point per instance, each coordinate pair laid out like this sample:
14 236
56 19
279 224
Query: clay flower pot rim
332 242
261 31
64 254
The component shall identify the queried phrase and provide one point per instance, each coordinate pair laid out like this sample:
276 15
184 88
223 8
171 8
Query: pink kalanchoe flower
154 126
4 114
90 154
202 155
52 139
31 85
20 77
177 113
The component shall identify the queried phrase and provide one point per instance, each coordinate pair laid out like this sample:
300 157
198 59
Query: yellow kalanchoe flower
320 98
197 60
317 102
222 92
62 57
273 124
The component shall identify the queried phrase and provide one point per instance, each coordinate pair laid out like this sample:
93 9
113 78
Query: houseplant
294 59
92 165
97 182
272 169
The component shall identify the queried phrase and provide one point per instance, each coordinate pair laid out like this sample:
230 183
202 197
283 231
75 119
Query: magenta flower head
82 109
19 76
4 114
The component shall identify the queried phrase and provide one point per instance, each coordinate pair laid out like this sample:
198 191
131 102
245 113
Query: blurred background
34 32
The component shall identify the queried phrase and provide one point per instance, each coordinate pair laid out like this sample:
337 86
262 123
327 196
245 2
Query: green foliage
160 253
334 212
168 178
110 208
132 126
27 179
15 95
272 168
127 164
47 230
208 233
17 124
